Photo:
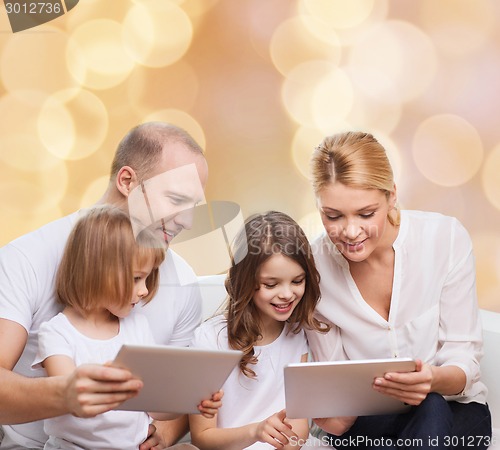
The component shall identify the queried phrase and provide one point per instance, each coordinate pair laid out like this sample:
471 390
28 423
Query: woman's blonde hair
97 266
354 159
263 236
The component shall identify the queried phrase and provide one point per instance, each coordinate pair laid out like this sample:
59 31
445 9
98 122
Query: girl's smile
281 285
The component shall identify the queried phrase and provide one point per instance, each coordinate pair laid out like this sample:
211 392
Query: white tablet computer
176 379
341 388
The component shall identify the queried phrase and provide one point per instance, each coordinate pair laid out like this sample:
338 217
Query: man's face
164 201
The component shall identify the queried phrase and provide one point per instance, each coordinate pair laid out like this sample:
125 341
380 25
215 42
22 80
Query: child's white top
124 430
252 400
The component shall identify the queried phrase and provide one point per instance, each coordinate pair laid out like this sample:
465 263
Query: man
157 168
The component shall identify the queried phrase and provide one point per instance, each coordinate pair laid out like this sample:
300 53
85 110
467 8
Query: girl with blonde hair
105 273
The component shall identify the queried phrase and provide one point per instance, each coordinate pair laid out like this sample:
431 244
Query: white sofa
213 294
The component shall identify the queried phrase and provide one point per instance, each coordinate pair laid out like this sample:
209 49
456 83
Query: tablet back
176 379
340 388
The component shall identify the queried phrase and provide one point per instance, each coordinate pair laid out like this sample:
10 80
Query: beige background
259 83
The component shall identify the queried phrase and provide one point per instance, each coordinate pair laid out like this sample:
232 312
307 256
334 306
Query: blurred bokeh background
259 83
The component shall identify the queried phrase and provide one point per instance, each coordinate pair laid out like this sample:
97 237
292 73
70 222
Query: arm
276 430
87 391
456 363
24 399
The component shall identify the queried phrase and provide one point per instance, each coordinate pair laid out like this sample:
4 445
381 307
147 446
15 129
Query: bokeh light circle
302 89
157 32
491 177
30 62
332 100
73 126
181 119
303 144
458 27
96 56
94 191
20 147
447 150
393 60
144 84
291 44
487 255
338 13
21 191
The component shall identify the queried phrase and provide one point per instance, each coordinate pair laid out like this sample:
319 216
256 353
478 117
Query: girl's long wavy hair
265 235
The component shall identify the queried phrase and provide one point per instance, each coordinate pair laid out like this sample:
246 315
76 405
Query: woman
397 284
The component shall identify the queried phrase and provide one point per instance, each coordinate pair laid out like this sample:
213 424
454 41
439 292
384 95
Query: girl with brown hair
273 288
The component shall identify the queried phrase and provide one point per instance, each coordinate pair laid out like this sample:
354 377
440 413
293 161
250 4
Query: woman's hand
275 430
409 387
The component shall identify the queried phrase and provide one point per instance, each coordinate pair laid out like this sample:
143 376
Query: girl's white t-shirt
252 400
124 430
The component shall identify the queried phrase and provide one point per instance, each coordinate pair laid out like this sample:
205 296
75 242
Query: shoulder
432 222
175 269
211 334
43 243
58 325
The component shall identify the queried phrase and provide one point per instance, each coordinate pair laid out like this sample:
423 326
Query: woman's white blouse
433 315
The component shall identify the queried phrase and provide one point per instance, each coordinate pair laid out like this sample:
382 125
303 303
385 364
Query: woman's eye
298 282
368 215
269 286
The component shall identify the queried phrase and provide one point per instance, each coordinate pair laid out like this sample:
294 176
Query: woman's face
355 219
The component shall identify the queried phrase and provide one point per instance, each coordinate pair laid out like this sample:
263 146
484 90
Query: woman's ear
126 180
393 198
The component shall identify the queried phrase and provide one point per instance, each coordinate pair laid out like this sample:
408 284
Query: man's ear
126 180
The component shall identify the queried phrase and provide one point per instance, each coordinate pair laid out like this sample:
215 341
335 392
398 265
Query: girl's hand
209 408
275 430
410 387
336 425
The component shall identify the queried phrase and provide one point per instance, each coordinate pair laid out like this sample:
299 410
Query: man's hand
95 389
153 441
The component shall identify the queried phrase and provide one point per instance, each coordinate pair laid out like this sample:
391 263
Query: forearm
24 399
224 438
448 380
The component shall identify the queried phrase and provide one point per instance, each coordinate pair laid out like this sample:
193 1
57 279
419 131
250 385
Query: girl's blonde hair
98 262
263 236
354 159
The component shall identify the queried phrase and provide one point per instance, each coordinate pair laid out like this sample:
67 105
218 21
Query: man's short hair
141 149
